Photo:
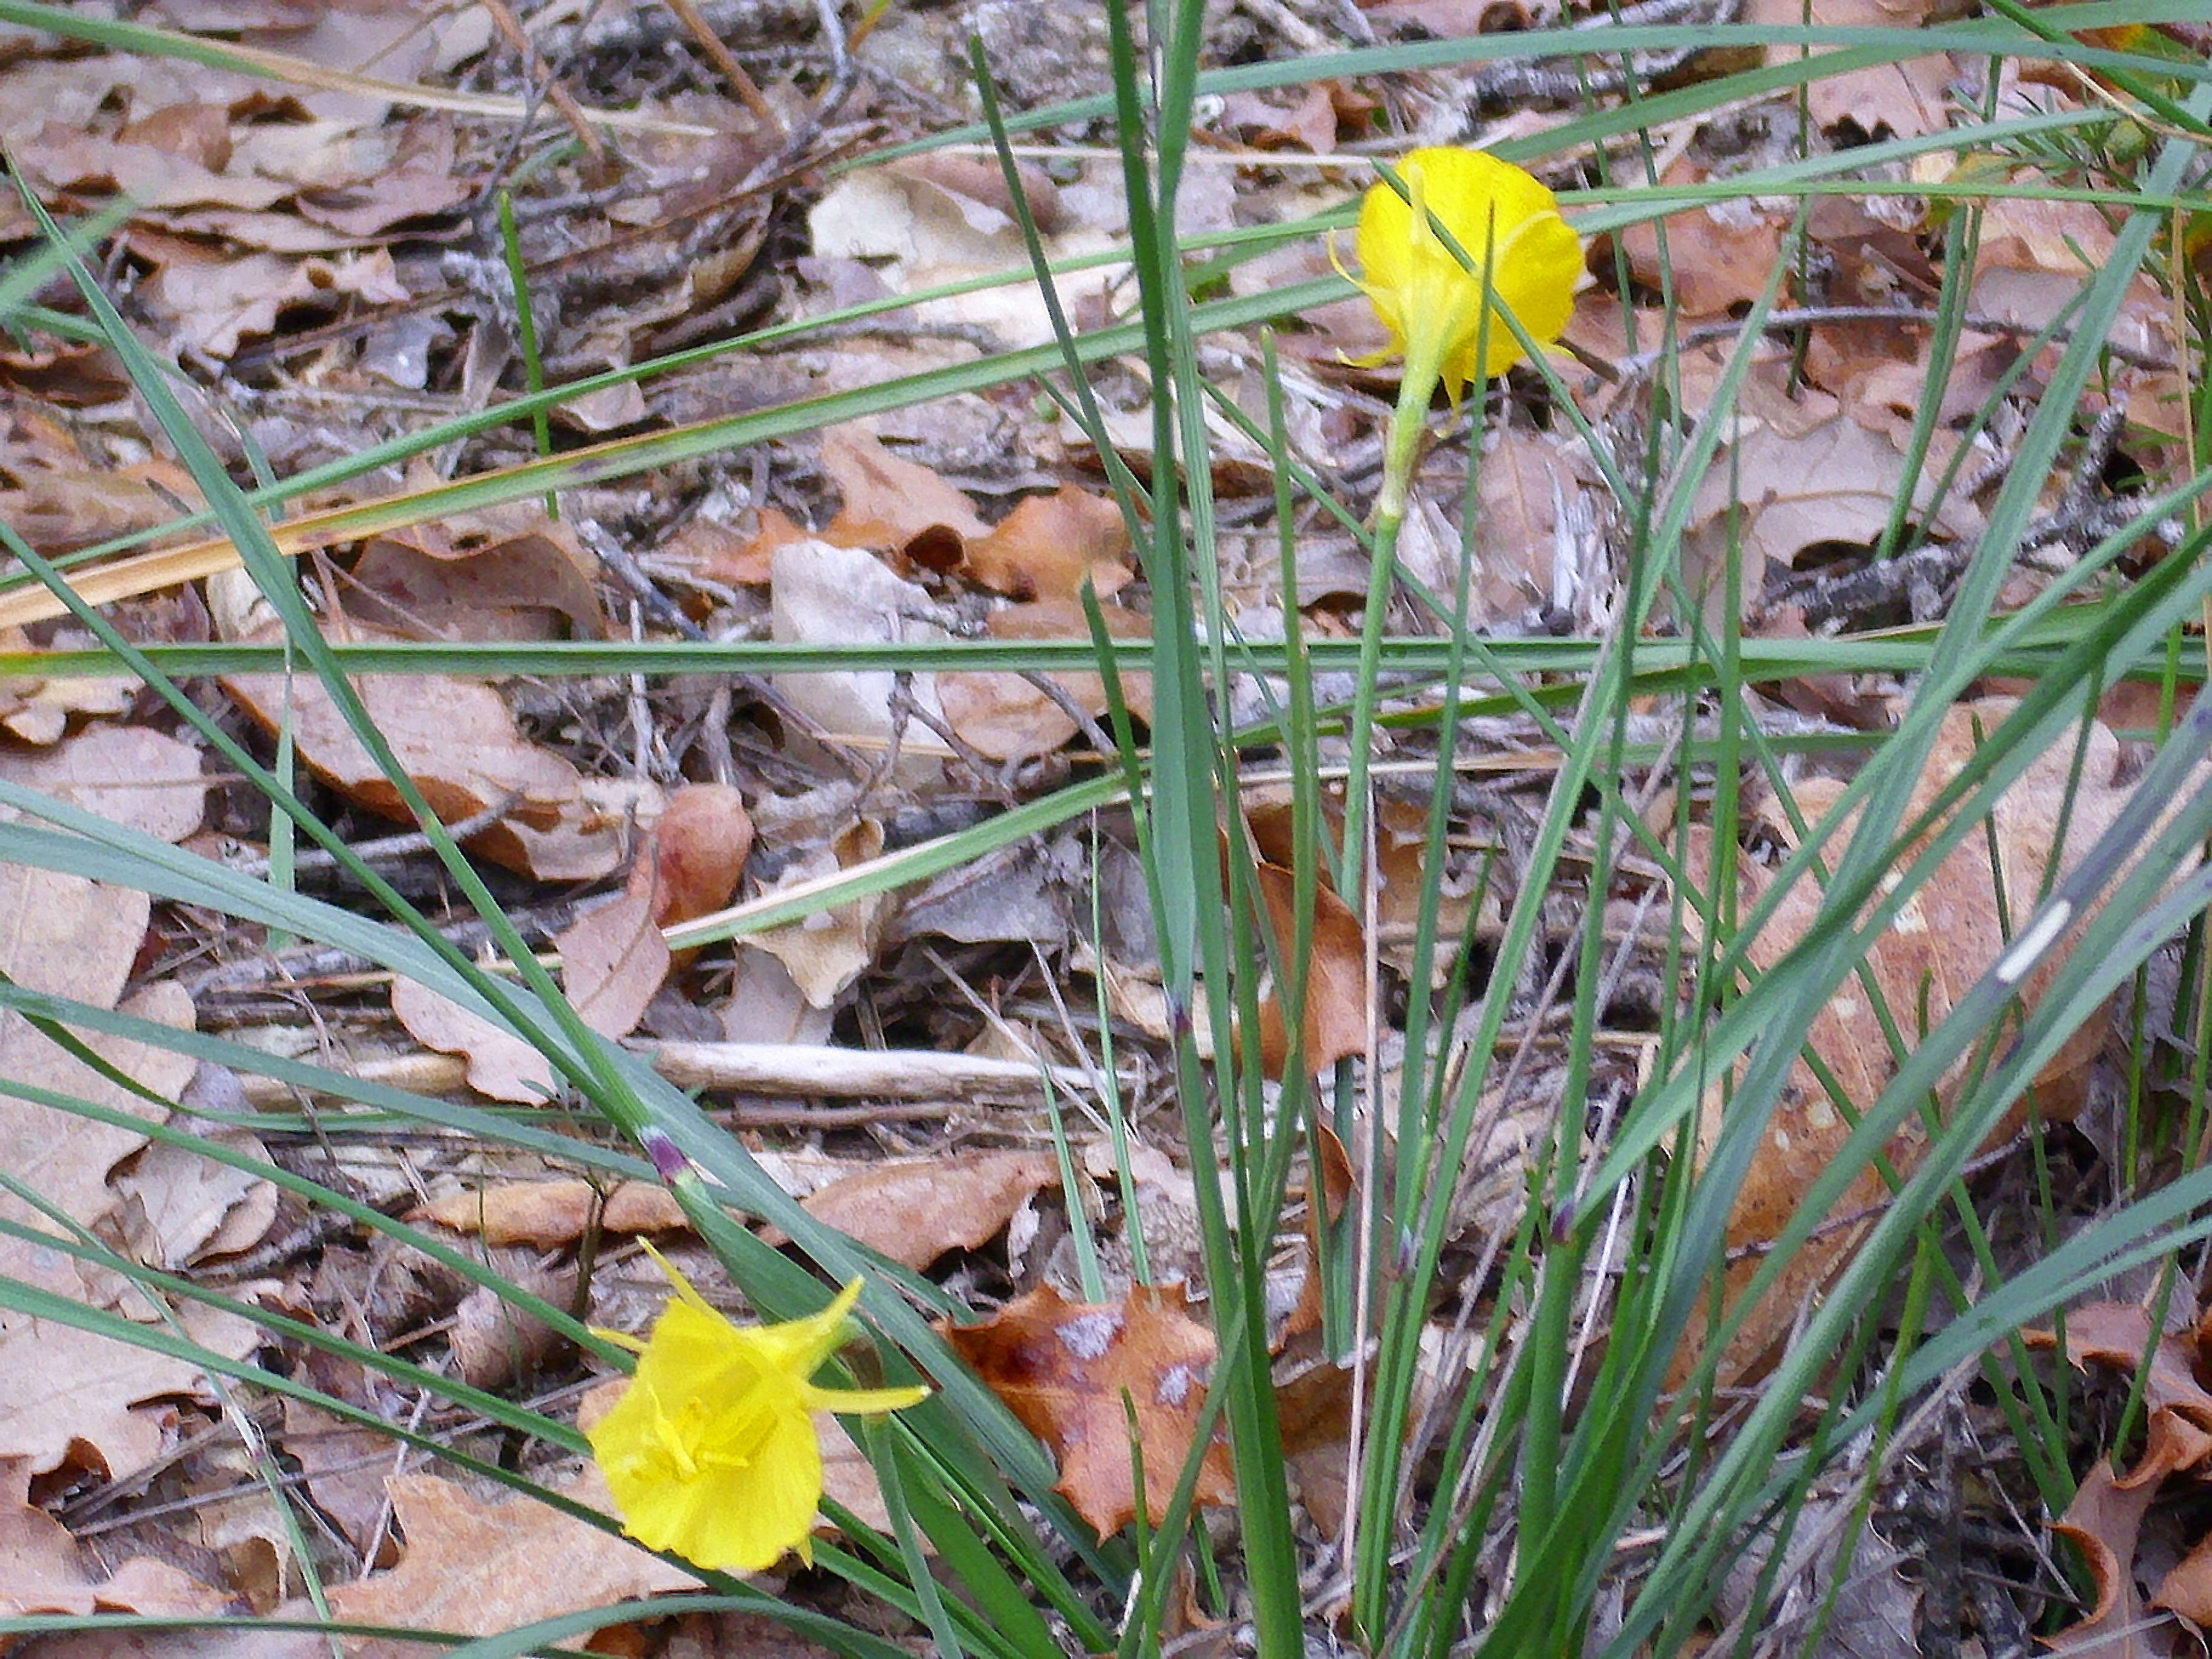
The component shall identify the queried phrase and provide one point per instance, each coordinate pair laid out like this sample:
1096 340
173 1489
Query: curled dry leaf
829 951
1050 546
457 740
1949 933
2108 1510
175 1207
1005 716
1066 1368
43 1570
698 853
891 502
501 1064
492 1342
2103 1523
548 1215
1719 256
613 958
915 1209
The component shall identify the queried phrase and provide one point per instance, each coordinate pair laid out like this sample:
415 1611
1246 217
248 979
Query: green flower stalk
1446 316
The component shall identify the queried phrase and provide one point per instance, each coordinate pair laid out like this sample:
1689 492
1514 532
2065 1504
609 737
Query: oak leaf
1076 1373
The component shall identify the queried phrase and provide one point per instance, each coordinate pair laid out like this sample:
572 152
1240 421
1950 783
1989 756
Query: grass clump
1499 929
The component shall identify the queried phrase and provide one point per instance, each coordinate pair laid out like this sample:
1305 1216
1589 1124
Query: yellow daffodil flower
1447 317
1508 226
711 1453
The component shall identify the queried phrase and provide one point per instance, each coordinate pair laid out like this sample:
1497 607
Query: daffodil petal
864 1403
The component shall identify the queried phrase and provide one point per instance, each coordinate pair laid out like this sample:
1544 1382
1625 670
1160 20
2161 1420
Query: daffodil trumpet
711 1452
1472 247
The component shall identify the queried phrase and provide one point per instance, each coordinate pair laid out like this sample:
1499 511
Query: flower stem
1407 423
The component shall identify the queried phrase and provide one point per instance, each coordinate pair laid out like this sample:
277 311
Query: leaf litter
318 256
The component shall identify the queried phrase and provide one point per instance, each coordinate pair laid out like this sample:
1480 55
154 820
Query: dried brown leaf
130 775
43 1570
501 1064
915 1209
1949 933
480 1566
1338 991
2103 1522
1050 546
1073 1372
613 960
1006 716
548 1215
458 742
698 853
829 951
425 586
888 500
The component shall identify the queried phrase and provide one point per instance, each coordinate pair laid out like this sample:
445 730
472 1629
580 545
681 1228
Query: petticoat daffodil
1518 249
1447 318
711 1452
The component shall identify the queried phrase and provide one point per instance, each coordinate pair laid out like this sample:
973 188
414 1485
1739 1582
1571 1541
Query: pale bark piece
458 742
821 593
501 1064
796 1070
